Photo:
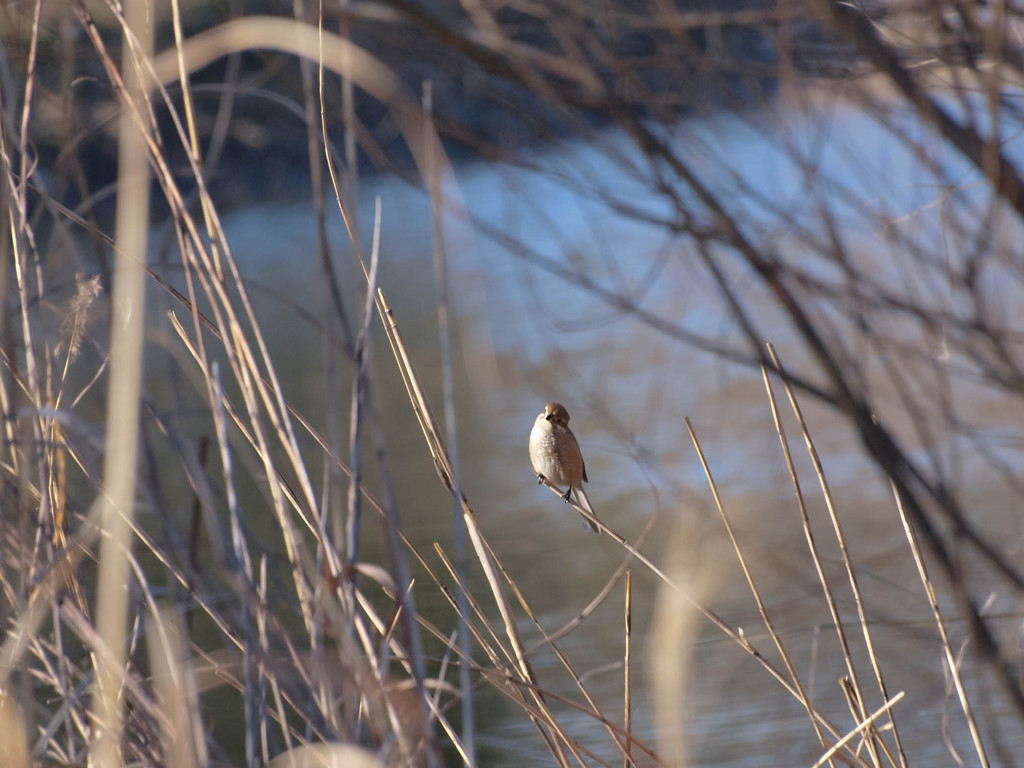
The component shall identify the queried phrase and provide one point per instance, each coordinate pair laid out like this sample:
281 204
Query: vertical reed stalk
851 575
127 321
626 671
940 622
433 179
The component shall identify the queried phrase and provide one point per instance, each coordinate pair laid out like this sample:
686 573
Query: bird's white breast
546 452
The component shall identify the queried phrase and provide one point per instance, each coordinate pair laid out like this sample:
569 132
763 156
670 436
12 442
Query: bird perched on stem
556 458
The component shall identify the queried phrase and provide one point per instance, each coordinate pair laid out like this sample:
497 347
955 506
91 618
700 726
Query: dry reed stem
549 642
848 564
471 602
209 214
301 569
326 756
72 330
627 683
337 539
674 627
244 430
865 724
718 622
23 244
25 427
940 622
577 748
441 463
25 626
487 647
811 544
239 562
754 591
395 539
429 703
250 378
14 749
603 593
132 690
432 176
184 744
546 718
408 745
348 535
442 670
365 70
305 424
302 40
122 428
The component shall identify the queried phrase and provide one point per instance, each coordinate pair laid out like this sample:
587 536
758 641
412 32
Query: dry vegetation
142 621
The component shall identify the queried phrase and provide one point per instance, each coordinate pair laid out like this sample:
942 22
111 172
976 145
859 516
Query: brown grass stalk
752 585
813 549
627 682
865 724
432 171
852 577
439 452
183 742
602 594
940 623
734 635
128 309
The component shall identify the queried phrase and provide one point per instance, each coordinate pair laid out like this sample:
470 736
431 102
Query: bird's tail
584 502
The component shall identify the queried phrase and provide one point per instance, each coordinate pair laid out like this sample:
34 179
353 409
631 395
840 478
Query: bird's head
556 414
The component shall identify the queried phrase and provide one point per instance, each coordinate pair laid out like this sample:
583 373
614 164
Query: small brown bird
556 456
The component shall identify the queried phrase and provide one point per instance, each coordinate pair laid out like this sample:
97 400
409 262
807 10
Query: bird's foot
565 496
540 479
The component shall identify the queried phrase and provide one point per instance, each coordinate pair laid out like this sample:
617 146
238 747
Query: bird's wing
583 464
